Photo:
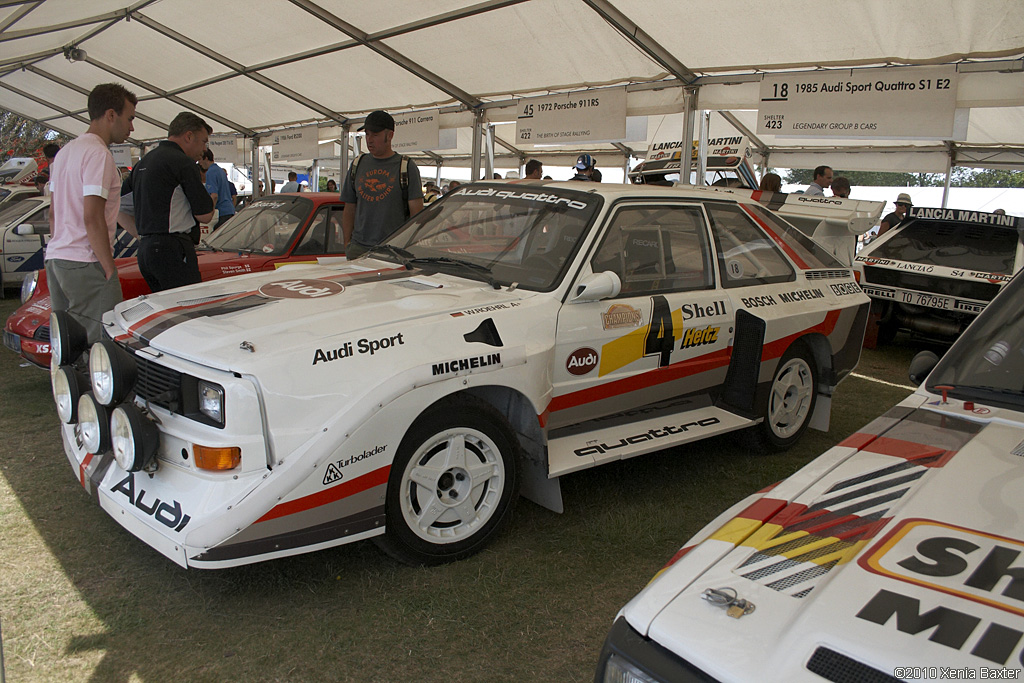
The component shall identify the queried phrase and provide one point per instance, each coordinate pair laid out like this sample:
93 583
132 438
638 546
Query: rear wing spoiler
832 222
17 169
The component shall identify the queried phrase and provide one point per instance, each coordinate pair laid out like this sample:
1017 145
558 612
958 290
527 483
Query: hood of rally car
207 323
921 514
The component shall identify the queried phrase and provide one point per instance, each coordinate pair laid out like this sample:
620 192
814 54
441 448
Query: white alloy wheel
452 485
792 394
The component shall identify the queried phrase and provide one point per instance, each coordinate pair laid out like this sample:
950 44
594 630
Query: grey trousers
81 289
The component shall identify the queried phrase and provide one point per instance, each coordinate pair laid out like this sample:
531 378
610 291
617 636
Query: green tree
966 177
20 137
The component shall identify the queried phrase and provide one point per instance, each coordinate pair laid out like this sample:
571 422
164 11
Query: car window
659 248
16 210
746 255
40 222
953 245
266 226
315 239
335 235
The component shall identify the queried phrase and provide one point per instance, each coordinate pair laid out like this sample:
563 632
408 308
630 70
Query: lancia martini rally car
505 336
896 555
266 234
934 273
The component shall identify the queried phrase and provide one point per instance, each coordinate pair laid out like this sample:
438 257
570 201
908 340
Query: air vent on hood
838 668
137 312
827 274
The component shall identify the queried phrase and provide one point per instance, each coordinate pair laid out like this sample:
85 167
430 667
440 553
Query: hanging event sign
122 155
296 144
225 149
417 131
911 102
588 116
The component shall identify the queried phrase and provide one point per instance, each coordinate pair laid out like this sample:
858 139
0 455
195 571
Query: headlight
68 338
68 386
211 401
619 670
28 285
94 425
133 437
112 372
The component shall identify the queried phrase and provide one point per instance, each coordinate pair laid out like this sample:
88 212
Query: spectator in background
534 170
50 150
80 269
332 186
1000 212
497 176
822 179
41 181
584 167
453 185
219 188
431 192
596 175
293 183
771 182
894 219
841 187
168 201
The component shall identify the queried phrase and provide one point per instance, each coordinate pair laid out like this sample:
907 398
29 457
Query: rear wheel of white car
791 399
452 485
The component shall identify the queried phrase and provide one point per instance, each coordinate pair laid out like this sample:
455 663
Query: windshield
18 208
952 245
987 362
266 226
501 234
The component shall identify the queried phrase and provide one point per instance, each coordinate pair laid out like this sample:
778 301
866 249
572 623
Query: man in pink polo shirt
85 189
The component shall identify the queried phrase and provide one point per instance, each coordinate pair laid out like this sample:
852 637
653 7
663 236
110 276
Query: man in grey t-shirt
374 207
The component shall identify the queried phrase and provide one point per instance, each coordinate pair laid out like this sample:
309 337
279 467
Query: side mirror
25 229
922 364
596 286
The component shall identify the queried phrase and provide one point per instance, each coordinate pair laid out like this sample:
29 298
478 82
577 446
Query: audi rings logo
301 289
581 361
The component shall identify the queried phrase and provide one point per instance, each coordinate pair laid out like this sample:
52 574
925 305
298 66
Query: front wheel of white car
453 483
791 399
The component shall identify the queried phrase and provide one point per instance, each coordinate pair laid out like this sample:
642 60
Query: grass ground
83 600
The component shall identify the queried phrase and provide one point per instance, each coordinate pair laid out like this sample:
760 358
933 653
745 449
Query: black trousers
168 261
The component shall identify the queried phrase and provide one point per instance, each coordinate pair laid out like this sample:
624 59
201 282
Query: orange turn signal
856 275
209 458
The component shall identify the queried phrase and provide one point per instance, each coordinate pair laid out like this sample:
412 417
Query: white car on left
25 231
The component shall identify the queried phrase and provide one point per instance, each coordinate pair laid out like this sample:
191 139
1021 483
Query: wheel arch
821 351
521 416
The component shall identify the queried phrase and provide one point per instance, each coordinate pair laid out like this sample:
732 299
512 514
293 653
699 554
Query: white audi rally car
507 335
896 555
934 273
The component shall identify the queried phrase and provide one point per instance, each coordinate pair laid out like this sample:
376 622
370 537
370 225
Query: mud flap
740 388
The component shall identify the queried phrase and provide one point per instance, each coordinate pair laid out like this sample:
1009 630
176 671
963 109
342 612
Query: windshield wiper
449 261
402 255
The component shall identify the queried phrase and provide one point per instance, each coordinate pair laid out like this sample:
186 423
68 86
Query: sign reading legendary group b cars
589 116
907 102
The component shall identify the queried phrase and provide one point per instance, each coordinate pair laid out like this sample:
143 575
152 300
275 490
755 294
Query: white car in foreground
507 335
896 555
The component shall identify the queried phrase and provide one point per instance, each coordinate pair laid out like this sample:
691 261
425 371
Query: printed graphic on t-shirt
375 185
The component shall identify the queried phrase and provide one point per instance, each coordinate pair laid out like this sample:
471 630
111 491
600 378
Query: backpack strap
353 169
403 181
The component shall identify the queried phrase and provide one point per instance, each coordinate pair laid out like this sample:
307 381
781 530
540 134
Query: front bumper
654 661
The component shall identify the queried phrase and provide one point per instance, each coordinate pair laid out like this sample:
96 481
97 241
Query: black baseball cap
377 121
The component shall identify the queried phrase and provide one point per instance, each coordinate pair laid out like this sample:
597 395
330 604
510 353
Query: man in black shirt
168 200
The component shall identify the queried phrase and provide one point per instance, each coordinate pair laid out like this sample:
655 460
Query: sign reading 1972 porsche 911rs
507 335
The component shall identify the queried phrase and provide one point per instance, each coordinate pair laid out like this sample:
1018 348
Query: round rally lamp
112 372
94 425
29 285
133 438
68 339
68 385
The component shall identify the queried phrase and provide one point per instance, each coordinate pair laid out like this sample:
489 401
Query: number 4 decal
660 339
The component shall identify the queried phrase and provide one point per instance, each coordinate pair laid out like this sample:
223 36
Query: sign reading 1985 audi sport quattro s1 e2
507 335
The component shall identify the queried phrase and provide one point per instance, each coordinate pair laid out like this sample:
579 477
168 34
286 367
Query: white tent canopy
254 68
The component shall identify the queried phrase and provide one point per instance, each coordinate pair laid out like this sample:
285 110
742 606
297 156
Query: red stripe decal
762 509
357 485
778 240
82 467
858 440
692 366
908 450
